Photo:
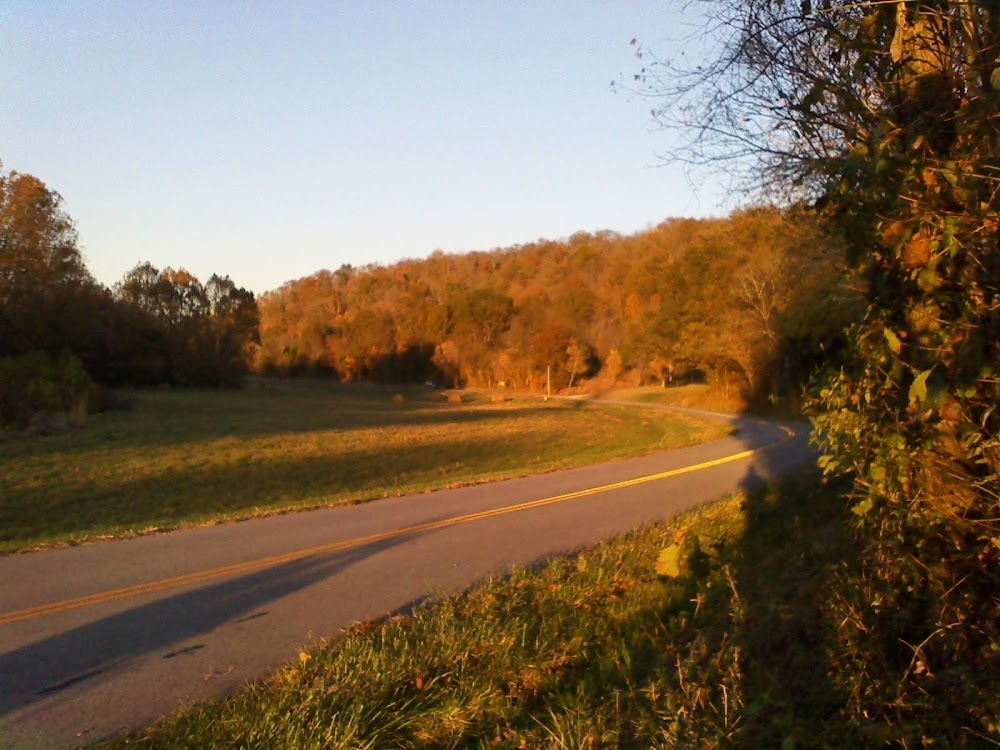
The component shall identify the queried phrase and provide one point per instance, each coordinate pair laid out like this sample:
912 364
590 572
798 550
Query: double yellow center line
325 549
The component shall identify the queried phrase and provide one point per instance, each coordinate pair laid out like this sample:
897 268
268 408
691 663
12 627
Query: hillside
748 302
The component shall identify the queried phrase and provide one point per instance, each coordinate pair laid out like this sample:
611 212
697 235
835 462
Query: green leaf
918 391
668 563
862 508
894 343
827 463
928 280
995 79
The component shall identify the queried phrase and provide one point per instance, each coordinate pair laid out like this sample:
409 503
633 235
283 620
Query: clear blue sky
268 140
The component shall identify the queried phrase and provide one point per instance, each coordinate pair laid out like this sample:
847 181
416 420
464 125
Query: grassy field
180 457
591 651
694 396
710 398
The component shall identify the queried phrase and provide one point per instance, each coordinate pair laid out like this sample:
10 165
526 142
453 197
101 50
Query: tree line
753 302
155 326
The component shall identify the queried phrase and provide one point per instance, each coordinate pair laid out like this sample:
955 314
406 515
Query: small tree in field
663 369
577 355
613 367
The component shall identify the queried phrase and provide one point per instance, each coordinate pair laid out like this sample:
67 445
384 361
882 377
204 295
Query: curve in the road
274 560
98 640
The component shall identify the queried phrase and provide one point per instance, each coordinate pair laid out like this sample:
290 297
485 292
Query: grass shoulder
185 456
594 650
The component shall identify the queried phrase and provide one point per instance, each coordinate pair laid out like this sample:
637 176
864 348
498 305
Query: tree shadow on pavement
41 669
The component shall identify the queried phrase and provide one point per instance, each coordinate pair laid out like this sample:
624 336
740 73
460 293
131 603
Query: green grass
590 651
181 457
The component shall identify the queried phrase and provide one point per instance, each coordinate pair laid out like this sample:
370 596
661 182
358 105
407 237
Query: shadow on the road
41 669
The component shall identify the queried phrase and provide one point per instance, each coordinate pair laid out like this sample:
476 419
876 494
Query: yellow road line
323 549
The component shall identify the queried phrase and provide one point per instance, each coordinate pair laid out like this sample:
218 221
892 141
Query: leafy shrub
35 382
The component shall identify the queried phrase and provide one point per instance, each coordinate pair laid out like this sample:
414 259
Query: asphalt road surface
102 639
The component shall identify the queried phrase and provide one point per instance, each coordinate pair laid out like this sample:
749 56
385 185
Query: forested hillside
752 301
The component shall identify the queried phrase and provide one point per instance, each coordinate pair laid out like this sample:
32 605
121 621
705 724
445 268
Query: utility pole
548 382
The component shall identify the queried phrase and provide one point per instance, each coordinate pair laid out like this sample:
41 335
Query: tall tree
205 332
233 327
41 268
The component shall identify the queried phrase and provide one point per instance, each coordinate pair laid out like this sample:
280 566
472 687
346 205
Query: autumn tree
577 360
884 115
42 273
141 287
201 333
48 300
612 368
370 344
549 346
233 327
478 318
663 369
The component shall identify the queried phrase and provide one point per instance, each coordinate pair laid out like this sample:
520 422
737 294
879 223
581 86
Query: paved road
102 639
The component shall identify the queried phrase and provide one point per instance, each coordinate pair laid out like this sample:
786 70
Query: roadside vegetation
742 644
187 456
881 116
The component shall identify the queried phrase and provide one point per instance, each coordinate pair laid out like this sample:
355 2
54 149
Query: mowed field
692 396
184 457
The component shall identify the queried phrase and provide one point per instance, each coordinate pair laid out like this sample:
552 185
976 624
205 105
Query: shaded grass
182 457
588 651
